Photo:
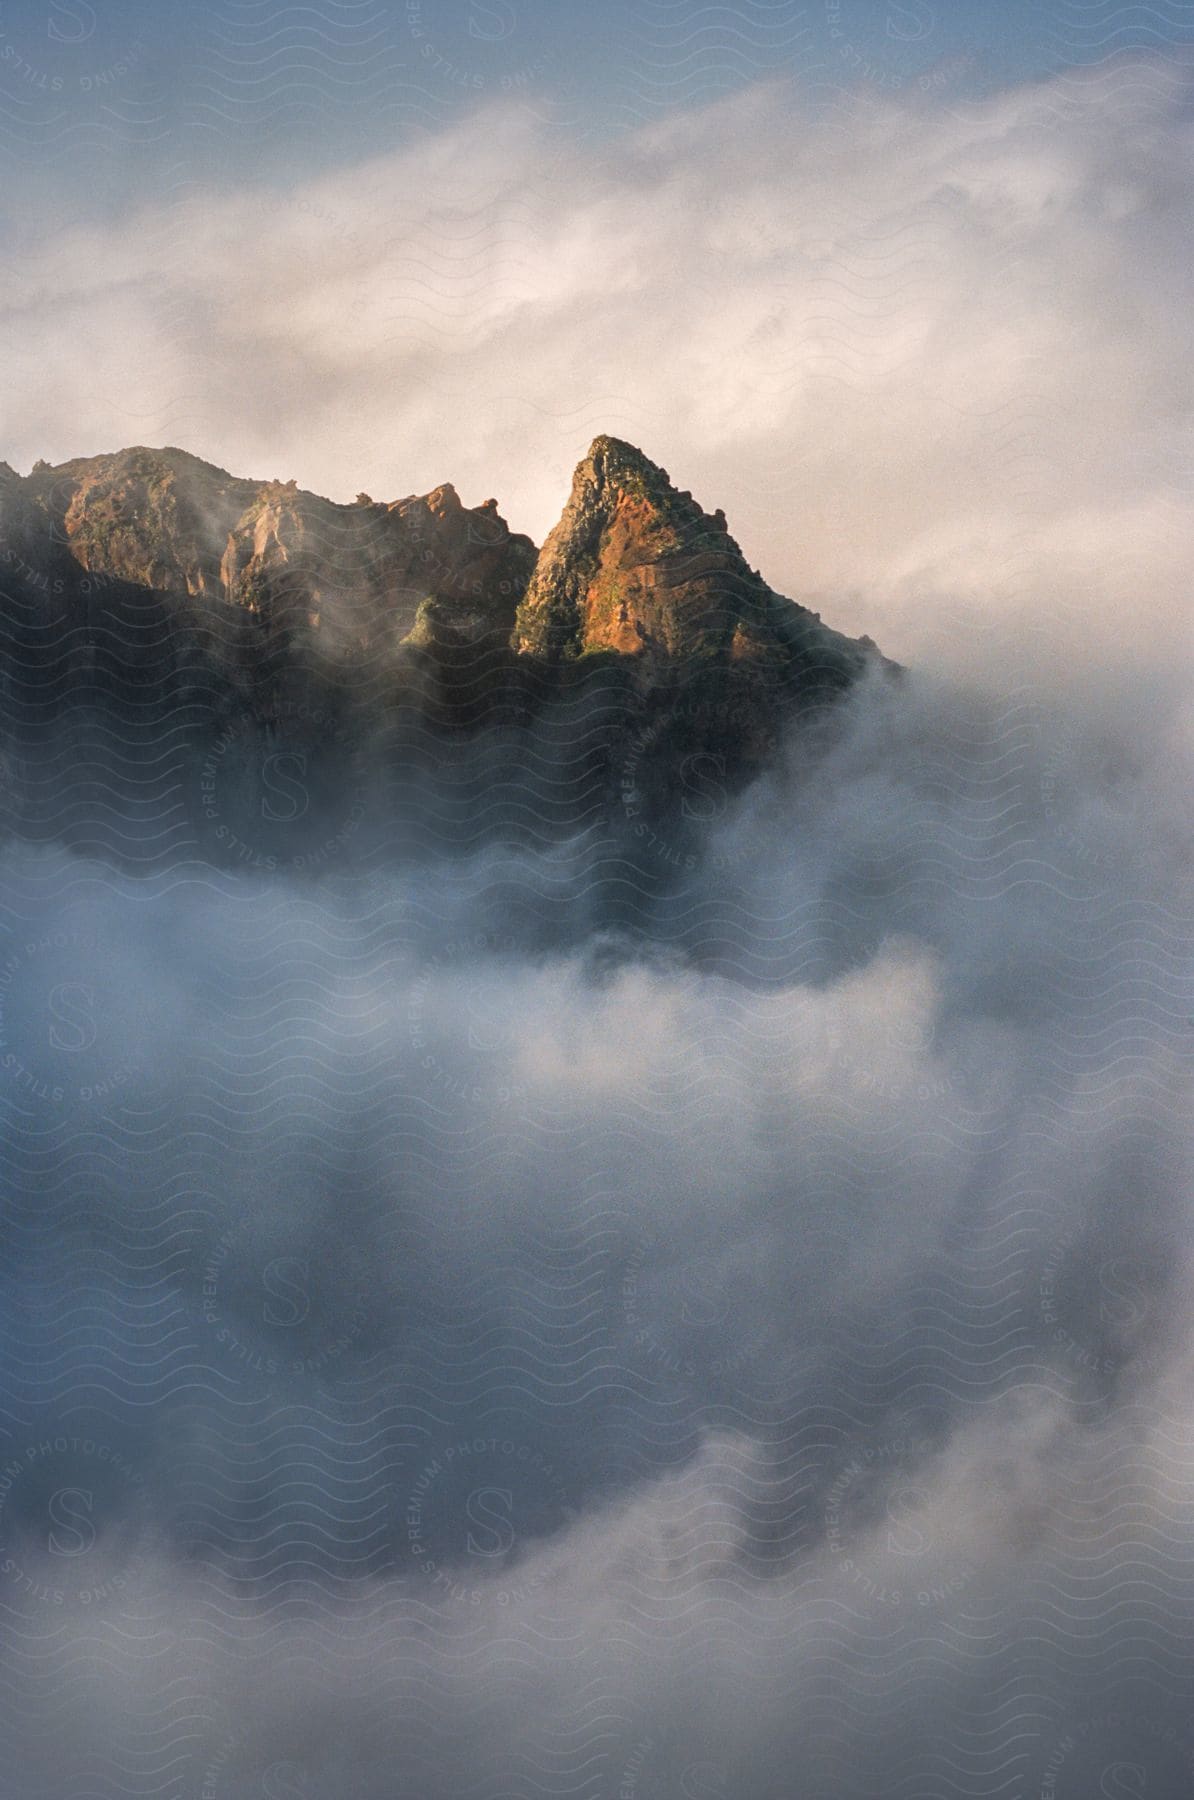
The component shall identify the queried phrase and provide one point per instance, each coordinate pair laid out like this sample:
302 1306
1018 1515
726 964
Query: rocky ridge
634 569
155 607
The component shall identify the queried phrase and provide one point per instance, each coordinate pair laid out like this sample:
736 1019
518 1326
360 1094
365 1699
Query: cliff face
357 575
637 568
371 574
154 518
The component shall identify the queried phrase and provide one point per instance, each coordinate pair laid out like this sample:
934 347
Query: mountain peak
637 567
613 454
601 569
614 464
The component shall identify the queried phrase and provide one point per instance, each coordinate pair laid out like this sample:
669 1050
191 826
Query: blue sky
103 102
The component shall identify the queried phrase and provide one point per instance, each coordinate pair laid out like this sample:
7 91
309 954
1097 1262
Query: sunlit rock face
166 521
638 567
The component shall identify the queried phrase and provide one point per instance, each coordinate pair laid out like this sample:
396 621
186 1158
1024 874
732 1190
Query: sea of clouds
494 1322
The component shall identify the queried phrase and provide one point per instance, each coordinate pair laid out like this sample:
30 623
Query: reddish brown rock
637 568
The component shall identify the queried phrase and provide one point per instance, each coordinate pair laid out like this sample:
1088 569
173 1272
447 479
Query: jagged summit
614 454
636 566
613 463
635 570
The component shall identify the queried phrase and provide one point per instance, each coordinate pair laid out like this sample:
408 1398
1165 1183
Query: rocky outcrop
374 575
154 518
356 575
638 568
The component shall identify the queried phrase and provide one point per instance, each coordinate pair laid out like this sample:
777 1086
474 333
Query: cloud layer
500 1324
